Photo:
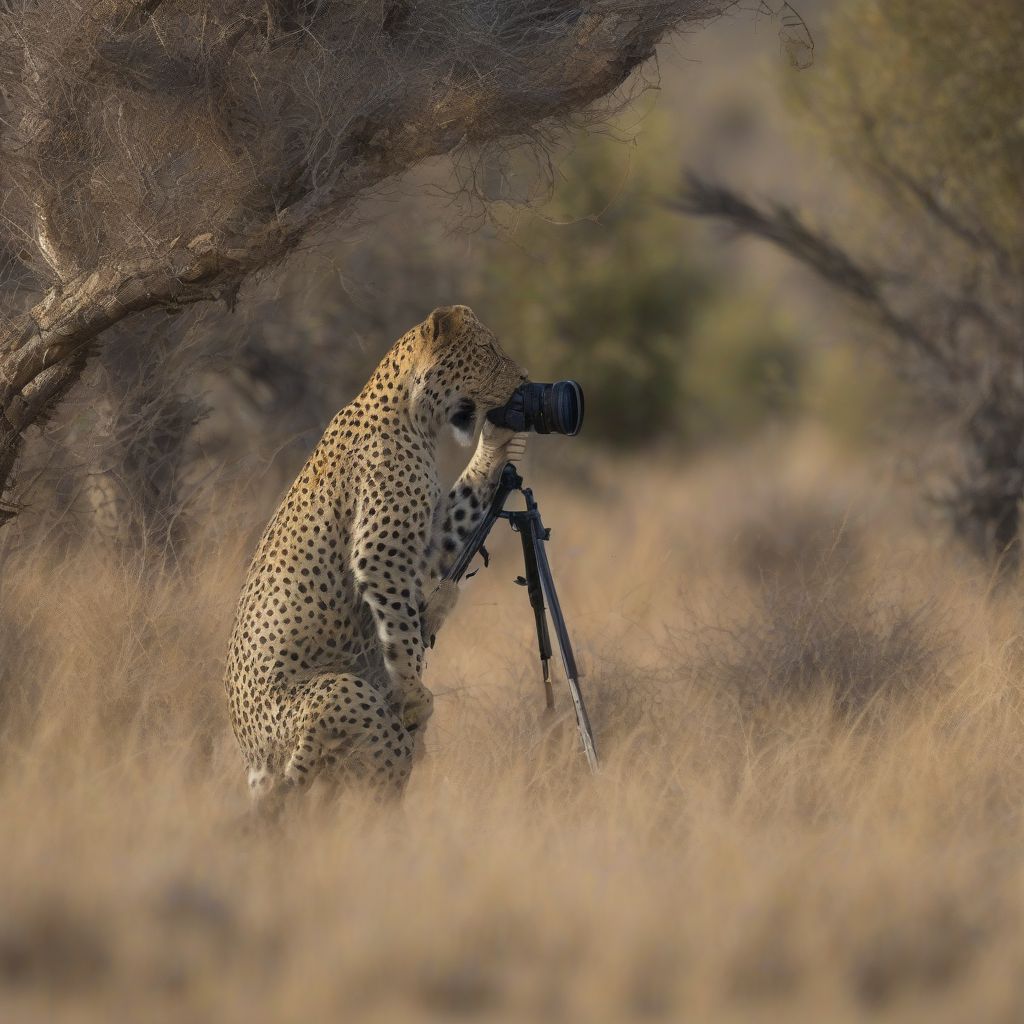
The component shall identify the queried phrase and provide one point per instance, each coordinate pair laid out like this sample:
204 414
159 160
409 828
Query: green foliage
605 287
933 94
744 367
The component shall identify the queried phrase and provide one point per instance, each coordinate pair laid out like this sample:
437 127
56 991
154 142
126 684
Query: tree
922 104
157 153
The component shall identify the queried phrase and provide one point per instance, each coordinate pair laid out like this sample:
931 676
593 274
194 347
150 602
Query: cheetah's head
461 371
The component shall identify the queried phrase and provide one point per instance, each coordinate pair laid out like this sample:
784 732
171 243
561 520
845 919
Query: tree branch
782 226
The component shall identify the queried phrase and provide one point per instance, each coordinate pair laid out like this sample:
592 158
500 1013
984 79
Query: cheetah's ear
440 324
444 326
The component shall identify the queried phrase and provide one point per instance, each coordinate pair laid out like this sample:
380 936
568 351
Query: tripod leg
534 588
549 693
564 644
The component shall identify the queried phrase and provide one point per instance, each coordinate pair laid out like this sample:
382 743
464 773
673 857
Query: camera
544 408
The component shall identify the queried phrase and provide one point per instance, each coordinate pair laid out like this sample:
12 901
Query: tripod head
540 585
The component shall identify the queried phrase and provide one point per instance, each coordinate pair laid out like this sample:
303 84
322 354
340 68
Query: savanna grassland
787 544
812 727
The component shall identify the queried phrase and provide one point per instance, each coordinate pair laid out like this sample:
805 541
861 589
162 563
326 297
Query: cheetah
345 592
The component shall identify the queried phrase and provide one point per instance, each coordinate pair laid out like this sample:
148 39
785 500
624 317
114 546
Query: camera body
543 408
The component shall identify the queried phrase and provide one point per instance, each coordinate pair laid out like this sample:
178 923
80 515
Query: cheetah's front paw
516 448
416 709
499 445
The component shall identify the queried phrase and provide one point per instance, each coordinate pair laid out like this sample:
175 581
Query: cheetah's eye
465 413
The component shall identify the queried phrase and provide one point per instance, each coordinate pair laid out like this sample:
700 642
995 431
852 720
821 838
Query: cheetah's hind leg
347 730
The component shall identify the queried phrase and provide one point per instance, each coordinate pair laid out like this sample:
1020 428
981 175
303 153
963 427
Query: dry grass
761 845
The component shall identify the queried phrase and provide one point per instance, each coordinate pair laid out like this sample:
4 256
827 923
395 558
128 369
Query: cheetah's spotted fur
325 661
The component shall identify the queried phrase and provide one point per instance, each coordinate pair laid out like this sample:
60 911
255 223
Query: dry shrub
822 638
787 537
809 613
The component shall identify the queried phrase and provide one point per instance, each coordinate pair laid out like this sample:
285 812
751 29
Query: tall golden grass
812 728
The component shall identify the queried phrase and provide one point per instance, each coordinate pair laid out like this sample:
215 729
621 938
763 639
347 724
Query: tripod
539 585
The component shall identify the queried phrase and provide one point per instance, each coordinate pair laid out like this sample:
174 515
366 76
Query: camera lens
545 408
563 408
